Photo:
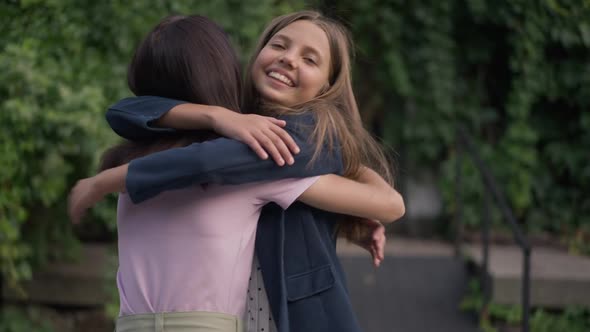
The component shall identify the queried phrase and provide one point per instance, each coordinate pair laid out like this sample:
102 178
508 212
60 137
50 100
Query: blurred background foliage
515 72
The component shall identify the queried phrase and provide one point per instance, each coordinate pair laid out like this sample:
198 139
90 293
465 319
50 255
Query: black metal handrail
463 139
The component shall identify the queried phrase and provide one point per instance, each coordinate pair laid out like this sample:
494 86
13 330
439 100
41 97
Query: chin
274 97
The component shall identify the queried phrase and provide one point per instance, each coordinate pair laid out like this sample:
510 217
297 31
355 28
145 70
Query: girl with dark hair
165 64
192 272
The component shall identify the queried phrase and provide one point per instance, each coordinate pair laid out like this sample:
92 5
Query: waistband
194 321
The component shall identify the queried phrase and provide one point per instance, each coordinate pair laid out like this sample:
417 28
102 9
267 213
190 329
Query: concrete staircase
418 288
420 284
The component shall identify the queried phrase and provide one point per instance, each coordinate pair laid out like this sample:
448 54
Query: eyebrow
306 47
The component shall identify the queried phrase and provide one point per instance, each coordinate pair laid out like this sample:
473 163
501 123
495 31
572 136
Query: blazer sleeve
226 161
132 118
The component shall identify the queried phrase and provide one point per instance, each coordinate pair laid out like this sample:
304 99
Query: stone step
83 283
418 287
410 294
558 279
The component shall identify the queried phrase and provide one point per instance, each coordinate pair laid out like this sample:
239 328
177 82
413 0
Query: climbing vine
514 72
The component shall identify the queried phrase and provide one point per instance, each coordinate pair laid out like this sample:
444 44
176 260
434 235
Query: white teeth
281 78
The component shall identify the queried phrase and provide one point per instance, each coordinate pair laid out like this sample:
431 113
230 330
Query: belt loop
241 325
159 322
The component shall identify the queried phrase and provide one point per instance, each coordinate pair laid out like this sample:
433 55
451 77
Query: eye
277 46
310 60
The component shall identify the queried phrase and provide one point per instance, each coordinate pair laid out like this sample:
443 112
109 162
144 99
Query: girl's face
293 67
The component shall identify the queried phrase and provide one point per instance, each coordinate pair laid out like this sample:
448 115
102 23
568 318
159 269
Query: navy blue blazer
296 248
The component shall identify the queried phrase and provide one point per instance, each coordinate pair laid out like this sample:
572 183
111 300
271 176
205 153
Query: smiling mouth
280 77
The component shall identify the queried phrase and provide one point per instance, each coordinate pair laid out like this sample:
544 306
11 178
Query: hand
374 239
263 134
83 195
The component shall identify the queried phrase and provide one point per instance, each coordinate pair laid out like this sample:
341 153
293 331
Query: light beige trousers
197 321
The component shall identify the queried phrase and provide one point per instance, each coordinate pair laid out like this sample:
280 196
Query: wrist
99 185
215 117
111 181
209 117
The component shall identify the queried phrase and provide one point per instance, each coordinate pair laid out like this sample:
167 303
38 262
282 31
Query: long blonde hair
335 109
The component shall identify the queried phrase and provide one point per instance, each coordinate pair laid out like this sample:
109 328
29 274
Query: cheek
315 84
259 59
257 72
263 58
255 67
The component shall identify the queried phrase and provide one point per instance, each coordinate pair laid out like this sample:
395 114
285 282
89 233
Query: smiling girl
301 73
290 70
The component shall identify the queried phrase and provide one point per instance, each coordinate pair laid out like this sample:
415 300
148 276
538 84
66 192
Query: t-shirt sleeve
284 192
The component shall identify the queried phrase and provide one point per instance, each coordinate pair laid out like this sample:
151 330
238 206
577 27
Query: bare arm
369 197
87 192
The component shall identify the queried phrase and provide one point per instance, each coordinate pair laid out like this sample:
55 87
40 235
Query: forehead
307 34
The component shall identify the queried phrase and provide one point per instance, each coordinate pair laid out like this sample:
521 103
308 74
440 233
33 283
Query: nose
288 59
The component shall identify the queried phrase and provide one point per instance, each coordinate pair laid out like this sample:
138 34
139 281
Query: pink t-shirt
192 249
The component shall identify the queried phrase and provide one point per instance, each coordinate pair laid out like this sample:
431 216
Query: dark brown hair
188 58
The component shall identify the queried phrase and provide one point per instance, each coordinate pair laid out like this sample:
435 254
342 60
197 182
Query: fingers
253 143
279 142
266 137
280 123
77 205
376 262
74 212
280 145
378 246
269 145
286 139
274 145
376 258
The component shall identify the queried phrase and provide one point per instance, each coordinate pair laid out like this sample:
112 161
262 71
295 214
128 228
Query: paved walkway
418 288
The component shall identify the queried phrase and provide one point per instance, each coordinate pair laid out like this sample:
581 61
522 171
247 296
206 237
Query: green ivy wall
516 73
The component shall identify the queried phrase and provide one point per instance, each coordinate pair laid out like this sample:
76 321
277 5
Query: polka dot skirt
258 315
